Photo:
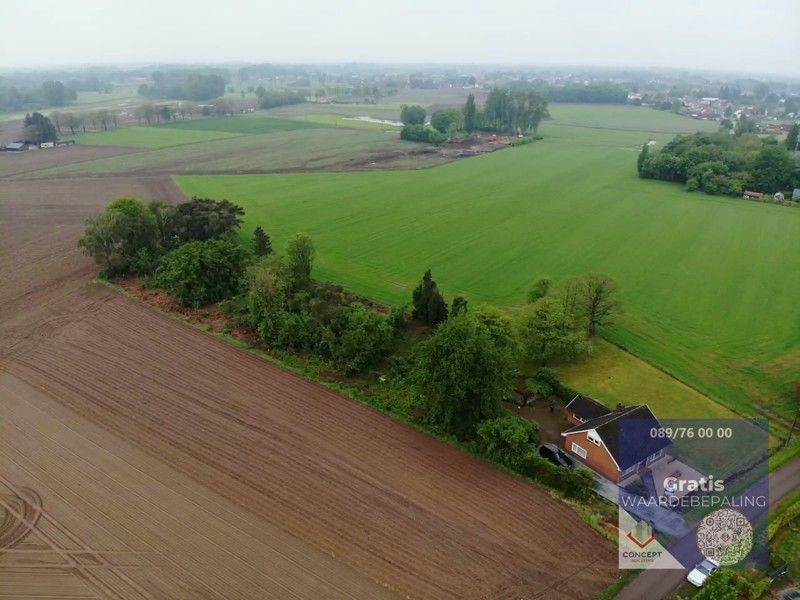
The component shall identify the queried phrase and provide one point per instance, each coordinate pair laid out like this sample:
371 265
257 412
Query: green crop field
709 284
239 124
148 137
626 118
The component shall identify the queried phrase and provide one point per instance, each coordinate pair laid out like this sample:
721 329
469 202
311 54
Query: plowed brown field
140 458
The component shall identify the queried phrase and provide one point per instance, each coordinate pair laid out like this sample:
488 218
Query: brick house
616 443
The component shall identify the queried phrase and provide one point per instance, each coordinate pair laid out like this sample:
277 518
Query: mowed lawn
148 137
709 284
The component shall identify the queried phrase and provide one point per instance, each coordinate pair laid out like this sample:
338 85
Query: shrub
537 388
364 340
509 440
548 377
421 133
202 272
573 483
539 289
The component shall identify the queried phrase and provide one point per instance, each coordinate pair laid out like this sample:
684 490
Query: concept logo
642 534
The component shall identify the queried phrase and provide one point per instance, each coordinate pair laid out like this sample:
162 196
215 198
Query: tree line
724 164
451 376
50 93
275 98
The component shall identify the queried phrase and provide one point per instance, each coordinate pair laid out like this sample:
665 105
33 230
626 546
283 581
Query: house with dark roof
616 443
582 408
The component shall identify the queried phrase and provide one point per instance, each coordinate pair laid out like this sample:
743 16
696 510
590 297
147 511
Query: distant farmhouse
23 146
616 443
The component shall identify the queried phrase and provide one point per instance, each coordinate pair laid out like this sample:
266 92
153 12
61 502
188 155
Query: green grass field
117 95
148 137
709 284
239 124
625 118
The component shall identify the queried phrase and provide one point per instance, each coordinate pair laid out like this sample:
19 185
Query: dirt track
184 468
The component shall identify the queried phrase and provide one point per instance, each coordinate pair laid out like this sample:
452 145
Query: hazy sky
732 35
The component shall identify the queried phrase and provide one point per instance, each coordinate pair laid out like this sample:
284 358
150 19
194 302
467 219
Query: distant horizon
542 67
727 36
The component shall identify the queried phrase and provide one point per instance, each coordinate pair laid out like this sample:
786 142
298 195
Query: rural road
658 584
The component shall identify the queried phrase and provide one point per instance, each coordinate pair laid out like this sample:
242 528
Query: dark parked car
556 456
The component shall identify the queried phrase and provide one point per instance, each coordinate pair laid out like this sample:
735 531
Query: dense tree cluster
505 111
448 121
133 237
38 128
414 127
722 164
202 272
184 84
517 111
560 320
462 375
289 310
412 115
50 93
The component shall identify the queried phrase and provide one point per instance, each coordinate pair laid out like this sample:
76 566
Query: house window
629 471
593 437
654 457
578 450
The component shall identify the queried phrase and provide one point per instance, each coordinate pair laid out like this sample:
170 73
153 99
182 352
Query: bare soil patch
214 474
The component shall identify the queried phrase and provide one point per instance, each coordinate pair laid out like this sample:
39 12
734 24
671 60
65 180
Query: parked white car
697 576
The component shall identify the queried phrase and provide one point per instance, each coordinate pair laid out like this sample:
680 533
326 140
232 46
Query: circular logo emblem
725 536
